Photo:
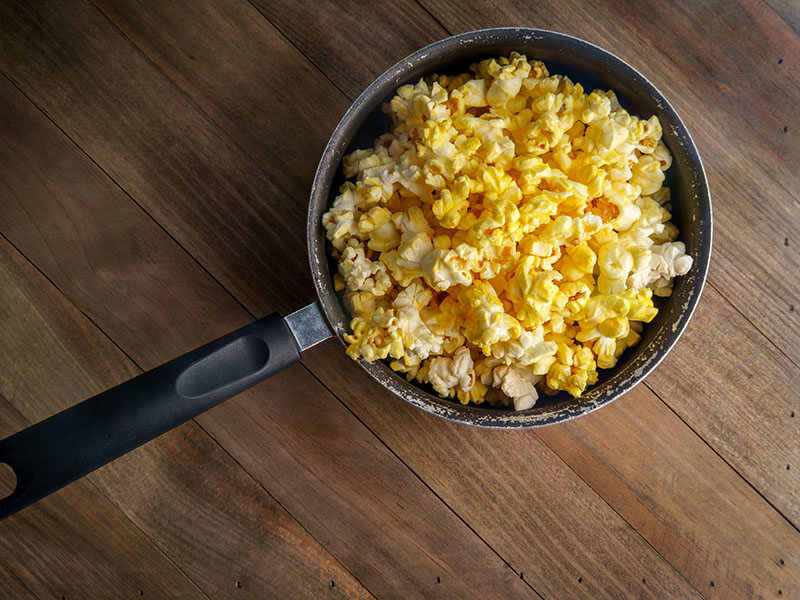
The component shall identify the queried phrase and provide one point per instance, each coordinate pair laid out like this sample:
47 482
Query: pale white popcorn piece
518 384
446 267
414 295
528 350
445 374
667 261
340 220
418 339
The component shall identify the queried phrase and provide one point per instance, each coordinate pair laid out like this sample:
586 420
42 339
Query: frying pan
58 450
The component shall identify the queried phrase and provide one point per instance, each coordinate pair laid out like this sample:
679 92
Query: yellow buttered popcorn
508 235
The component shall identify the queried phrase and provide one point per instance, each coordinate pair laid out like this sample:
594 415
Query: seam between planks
425 483
432 16
561 460
794 199
227 135
93 485
744 316
288 512
192 101
130 197
591 487
734 469
303 54
779 16
11 573
193 420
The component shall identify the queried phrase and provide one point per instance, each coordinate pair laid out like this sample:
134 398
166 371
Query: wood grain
11 587
245 76
659 476
513 491
115 104
787 10
86 558
676 492
355 496
111 258
214 523
217 147
374 490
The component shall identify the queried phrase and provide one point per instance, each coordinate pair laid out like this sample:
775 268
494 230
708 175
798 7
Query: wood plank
573 584
78 544
182 490
11 587
323 461
646 464
130 117
39 161
55 191
245 76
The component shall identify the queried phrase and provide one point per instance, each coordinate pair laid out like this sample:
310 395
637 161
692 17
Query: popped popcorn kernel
507 237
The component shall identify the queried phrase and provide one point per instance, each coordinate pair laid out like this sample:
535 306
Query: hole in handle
8 480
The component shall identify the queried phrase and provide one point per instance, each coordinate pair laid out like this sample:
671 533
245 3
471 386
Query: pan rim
475 415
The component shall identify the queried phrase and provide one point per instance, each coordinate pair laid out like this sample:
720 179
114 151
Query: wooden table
155 165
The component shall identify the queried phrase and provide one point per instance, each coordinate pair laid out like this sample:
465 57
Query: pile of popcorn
507 236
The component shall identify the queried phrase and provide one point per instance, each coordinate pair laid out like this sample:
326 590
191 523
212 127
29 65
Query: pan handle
74 442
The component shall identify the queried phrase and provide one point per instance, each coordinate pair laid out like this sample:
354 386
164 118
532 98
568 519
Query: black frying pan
51 454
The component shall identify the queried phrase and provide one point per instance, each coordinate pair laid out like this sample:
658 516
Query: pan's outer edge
413 66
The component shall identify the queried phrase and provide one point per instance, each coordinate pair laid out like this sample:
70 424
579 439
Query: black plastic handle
76 441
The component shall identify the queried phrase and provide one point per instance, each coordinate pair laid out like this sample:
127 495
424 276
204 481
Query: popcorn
361 274
446 374
518 384
507 236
